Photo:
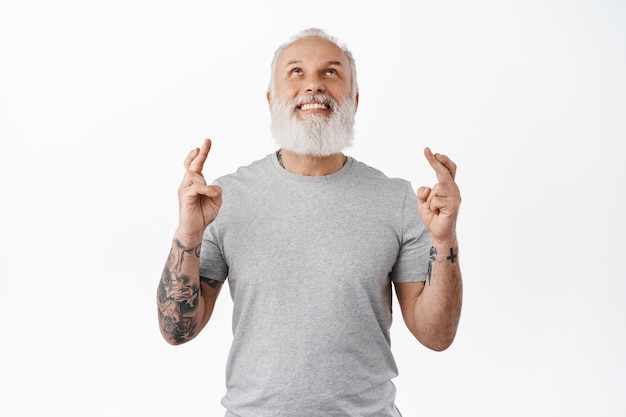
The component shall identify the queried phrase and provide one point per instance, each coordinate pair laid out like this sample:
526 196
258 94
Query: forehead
312 50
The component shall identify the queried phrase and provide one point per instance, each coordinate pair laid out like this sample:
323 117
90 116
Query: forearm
438 308
179 299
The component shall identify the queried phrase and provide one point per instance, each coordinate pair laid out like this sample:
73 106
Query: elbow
438 342
439 345
172 339
174 342
172 333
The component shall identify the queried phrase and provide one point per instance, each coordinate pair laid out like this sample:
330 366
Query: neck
312 166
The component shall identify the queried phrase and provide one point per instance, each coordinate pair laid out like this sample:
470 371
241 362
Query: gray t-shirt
310 261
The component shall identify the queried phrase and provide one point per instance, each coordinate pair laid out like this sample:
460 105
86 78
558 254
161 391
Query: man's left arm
432 309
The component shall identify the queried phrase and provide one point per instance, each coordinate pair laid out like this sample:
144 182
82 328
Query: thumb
422 194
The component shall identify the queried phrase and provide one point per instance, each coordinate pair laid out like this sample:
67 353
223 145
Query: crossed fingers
196 158
194 163
443 196
444 168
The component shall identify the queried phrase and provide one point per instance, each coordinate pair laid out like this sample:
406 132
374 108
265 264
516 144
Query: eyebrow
298 61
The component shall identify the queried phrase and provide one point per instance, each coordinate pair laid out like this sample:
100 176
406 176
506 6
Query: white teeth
314 106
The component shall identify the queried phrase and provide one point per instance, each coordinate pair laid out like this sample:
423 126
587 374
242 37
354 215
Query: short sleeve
412 262
212 264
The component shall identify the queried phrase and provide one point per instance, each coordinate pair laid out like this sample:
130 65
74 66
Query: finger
197 163
441 196
439 190
422 194
195 190
191 178
438 204
212 191
444 168
190 157
448 163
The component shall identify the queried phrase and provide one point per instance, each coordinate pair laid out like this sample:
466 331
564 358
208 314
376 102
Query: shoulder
255 171
377 179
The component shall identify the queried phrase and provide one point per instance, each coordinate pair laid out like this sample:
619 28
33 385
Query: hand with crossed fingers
439 205
199 203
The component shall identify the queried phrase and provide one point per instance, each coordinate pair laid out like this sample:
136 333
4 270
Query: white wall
101 101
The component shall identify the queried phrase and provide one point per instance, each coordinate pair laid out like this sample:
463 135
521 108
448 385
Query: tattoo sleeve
179 294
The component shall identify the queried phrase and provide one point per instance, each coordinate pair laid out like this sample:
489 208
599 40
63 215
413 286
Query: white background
101 101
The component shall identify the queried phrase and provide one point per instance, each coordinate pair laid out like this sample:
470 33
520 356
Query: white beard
315 134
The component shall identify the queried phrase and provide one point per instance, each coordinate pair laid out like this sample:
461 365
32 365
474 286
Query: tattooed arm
185 300
432 310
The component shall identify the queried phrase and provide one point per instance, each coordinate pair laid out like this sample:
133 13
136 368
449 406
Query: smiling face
312 97
311 66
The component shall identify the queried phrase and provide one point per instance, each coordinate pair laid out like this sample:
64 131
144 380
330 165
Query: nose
315 84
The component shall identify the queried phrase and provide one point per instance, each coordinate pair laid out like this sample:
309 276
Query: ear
356 101
268 95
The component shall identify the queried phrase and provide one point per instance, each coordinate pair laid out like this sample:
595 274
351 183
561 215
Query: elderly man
311 241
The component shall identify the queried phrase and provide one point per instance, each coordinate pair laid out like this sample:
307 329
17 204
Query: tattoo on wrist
452 256
195 250
432 256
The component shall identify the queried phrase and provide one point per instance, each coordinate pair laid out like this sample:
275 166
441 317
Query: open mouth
313 106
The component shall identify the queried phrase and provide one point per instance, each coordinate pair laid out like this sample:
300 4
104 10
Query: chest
315 237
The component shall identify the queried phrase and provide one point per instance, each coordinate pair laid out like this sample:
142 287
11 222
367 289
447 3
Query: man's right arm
185 300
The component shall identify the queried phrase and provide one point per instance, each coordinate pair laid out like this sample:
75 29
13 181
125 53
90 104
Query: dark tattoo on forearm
452 256
178 296
184 250
431 258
